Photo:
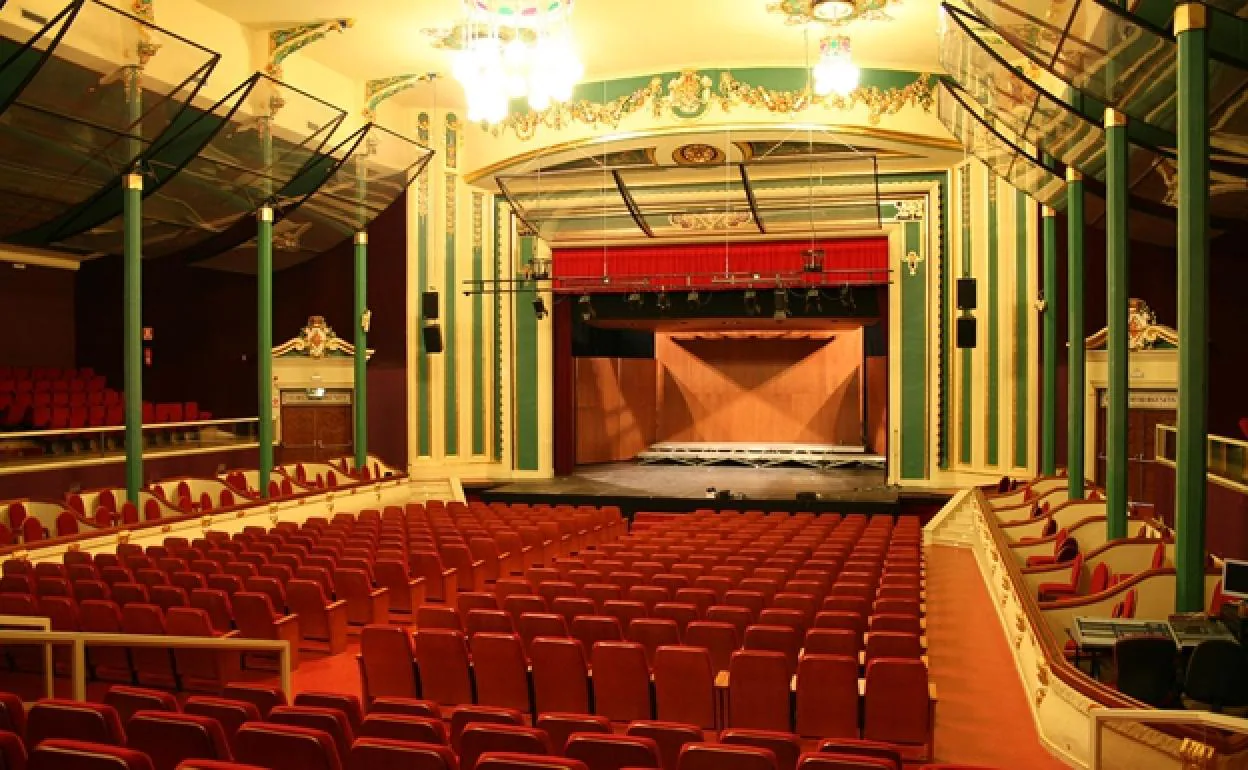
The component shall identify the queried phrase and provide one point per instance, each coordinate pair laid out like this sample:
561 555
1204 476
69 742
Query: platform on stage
761 455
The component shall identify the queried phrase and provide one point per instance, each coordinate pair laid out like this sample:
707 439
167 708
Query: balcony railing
31 448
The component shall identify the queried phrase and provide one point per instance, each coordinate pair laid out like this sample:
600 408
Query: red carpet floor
982 717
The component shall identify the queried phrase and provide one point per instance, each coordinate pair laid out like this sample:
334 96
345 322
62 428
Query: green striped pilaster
943 318
1076 359
501 219
992 439
424 409
450 370
913 286
1048 391
1022 338
478 328
964 418
1117 271
524 391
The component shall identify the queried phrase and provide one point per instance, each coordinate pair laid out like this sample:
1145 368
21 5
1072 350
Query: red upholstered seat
347 703
827 696
589 629
719 639
406 706
840 761
560 675
758 691
653 633
440 581
897 708
264 697
388 663
782 639
621 681
613 752
491 621
382 754
560 727
12 751
710 756
130 700
256 619
1063 588
862 748
216 604
74 720
501 760
786 746
404 727
534 624
83 755
684 686
442 657
464 716
832 641
153 666
328 720
406 591
365 604
669 738
12 714
437 616
320 619
682 614
285 747
169 738
231 714
501 668
477 739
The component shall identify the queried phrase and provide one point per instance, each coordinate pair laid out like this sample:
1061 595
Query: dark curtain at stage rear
564 389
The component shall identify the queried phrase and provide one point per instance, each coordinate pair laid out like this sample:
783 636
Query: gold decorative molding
798 12
286 41
690 95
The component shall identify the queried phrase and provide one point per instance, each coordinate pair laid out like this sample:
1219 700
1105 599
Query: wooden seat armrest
285 619
230 635
721 679
449 572
931 692
340 604
862 687
379 592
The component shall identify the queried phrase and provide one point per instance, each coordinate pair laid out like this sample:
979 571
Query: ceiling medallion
832 12
697 155
714 220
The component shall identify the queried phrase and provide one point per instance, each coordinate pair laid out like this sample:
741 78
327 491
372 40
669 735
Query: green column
361 349
1193 285
264 343
1074 323
1117 270
1048 390
133 326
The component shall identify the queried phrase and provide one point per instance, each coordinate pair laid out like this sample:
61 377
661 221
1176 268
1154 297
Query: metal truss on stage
820 456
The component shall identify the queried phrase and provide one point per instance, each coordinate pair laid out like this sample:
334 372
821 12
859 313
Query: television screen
1235 579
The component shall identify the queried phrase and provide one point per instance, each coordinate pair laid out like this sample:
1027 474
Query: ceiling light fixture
832 11
510 49
835 72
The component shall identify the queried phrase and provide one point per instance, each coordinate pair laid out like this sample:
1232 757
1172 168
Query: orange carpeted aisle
983 717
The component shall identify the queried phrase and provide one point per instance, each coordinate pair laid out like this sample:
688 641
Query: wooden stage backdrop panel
615 408
761 387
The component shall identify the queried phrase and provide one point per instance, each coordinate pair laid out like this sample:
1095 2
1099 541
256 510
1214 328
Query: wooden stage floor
639 487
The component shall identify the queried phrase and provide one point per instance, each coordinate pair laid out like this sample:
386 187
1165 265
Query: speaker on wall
429 306
966 332
966 294
432 338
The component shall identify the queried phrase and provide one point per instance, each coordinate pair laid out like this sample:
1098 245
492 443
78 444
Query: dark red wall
204 325
37 316
52 484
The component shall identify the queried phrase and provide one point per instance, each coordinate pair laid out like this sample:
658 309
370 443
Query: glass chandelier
835 71
516 48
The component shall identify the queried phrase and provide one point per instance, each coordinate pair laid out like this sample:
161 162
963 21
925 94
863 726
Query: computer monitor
1235 578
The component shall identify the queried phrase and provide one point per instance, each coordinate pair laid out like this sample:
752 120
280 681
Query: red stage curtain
859 261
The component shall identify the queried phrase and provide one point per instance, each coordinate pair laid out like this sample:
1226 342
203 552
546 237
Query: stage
636 486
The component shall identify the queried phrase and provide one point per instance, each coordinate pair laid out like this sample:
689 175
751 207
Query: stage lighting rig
812 260
814 302
539 308
693 299
635 299
781 307
847 298
663 302
751 302
587 308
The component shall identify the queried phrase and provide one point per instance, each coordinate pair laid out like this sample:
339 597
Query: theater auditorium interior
601 385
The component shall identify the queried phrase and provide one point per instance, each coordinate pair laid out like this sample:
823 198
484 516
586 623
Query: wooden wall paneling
877 403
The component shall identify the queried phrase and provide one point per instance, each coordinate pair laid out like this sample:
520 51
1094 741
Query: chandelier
510 49
835 71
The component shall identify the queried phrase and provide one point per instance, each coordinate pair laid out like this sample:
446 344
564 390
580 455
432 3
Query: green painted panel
1022 336
524 391
942 326
914 357
501 219
450 370
424 431
964 418
478 330
992 440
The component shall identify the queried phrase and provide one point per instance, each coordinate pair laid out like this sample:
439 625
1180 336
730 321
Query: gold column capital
1073 174
361 238
265 214
1189 16
1114 118
134 181
1047 211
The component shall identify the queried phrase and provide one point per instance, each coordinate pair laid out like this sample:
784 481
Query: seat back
786 746
53 718
347 703
501 760
621 681
478 739
404 727
560 727
758 691
1145 666
669 739
464 716
589 629
68 754
653 633
285 747
1217 675
388 662
442 656
169 738
714 756
613 752
684 686
827 696
230 714
383 754
501 669
329 720
130 700
897 708
264 697
560 676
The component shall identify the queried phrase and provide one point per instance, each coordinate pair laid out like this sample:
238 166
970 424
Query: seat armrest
379 592
449 572
931 692
339 604
285 619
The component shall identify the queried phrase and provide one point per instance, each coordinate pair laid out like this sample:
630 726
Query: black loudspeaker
429 306
966 294
966 332
433 338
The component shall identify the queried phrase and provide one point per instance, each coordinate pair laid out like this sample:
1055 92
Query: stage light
663 302
587 308
813 303
635 299
539 308
751 302
693 298
847 297
812 260
781 308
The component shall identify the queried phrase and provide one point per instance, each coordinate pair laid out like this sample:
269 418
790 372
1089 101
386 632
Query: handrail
39 624
80 640
1102 716
121 428
1227 457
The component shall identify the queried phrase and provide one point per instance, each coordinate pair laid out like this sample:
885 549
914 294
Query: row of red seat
328 731
65 410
